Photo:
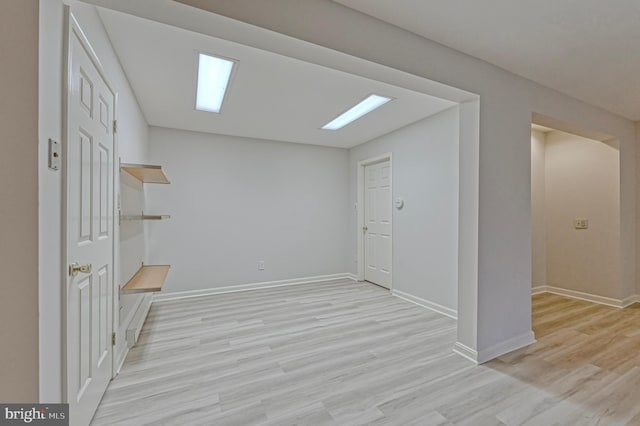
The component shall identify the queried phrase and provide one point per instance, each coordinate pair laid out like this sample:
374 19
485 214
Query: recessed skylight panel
213 78
365 107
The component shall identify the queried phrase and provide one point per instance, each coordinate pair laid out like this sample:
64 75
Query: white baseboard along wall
252 286
602 300
451 313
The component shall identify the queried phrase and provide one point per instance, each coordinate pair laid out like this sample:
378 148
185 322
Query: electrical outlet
260 265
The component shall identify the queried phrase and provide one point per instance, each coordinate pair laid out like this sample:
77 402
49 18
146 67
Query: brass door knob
76 268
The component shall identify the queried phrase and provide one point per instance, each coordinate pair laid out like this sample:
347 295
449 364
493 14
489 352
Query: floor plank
348 353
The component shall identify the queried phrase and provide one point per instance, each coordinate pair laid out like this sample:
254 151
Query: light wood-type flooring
348 353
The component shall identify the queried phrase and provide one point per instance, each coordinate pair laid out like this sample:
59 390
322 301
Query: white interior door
89 231
377 223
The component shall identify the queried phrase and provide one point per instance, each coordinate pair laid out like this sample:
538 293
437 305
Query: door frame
360 210
72 29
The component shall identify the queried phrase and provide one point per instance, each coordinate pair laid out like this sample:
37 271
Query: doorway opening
575 227
580 311
575 204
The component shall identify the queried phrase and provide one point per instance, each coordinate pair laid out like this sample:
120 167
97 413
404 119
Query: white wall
19 205
425 231
538 227
234 201
132 143
582 181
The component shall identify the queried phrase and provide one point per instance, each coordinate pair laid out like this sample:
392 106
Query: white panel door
377 223
89 233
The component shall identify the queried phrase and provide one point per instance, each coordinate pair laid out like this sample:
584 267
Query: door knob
76 268
365 228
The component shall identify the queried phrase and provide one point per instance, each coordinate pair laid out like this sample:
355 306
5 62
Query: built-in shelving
149 278
146 173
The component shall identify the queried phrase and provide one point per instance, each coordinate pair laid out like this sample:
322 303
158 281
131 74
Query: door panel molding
361 183
88 224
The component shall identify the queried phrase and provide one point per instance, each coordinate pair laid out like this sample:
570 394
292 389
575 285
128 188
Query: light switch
54 155
581 223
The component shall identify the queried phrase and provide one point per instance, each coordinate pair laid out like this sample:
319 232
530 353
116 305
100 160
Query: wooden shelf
146 217
145 173
149 278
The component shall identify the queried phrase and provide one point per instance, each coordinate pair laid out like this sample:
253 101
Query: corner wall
425 231
19 205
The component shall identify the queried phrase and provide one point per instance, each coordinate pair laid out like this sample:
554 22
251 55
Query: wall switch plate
55 158
580 223
260 265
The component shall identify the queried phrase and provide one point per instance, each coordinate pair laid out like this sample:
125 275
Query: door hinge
115 126
113 338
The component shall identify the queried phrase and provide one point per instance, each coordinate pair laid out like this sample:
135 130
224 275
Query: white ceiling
270 96
588 49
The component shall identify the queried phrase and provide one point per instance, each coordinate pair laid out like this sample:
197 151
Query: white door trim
360 210
71 29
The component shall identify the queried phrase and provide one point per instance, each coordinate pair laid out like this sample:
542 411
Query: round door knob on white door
365 229
76 268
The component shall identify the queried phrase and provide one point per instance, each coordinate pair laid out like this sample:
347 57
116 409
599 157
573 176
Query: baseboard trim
539 289
594 298
135 326
466 352
351 276
494 351
432 306
505 347
122 348
162 297
631 300
122 357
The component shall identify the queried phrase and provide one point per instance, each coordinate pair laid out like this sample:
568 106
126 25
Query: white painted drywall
506 103
425 230
19 205
582 179
132 143
538 228
234 201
